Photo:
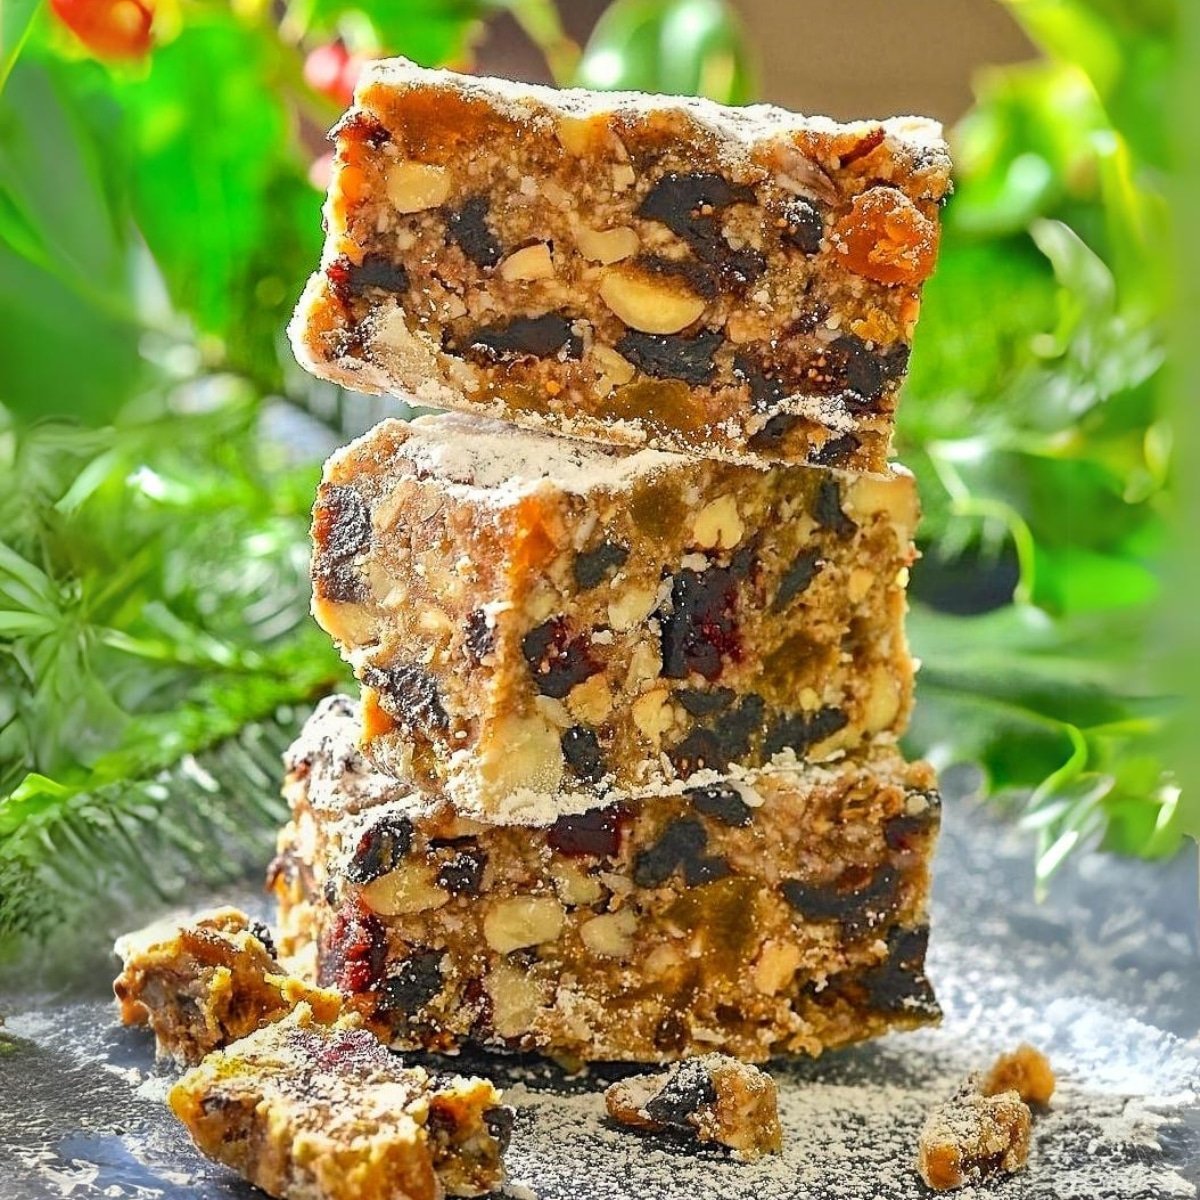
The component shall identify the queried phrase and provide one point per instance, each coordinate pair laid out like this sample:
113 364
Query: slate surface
1105 976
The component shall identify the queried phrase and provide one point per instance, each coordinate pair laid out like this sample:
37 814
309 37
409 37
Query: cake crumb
713 1098
974 1137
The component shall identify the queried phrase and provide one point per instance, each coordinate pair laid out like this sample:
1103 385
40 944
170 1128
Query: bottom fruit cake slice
769 912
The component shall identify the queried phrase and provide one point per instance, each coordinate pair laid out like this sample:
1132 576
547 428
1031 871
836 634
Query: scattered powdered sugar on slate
1103 978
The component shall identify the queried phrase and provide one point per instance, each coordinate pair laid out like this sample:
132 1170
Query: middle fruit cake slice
539 622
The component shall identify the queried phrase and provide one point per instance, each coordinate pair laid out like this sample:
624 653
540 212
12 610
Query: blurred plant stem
542 24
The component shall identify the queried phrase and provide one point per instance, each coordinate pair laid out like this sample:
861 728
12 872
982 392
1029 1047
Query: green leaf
16 19
430 32
677 47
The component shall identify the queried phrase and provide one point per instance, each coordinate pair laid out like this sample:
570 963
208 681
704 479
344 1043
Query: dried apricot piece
885 237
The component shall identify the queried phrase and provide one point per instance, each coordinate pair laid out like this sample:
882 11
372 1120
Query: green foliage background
156 224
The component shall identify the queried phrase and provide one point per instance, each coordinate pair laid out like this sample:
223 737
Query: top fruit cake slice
738 283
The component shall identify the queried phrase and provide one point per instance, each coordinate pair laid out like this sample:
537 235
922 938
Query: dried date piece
672 355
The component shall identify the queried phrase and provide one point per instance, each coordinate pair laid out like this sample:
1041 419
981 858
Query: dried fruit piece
885 237
973 1137
412 985
859 904
673 356
701 628
557 660
462 875
595 834
592 567
797 577
581 750
409 695
804 226
342 531
828 512
799 731
351 280
721 801
539 337
468 226
380 849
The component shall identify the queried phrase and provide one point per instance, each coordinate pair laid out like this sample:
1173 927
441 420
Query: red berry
333 71
108 28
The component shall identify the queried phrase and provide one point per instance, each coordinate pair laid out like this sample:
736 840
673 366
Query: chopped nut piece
530 262
652 304
522 921
413 186
717 525
607 245
610 934
713 1099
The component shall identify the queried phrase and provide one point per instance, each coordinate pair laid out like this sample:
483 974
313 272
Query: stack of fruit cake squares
623 780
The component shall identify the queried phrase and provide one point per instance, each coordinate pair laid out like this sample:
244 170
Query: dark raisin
259 930
592 834
721 801
558 662
581 749
673 356
774 431
681 846
796 578
538 337
381 847
700 630
352 951
805 225
767 392
499 1123
672 1032
409 695
725 742
409 988
479 639
860 905
737 269
827 510
685 204
341 531
376 272
866 372
684 1094
704 703
899 984
469 228
799 730
900 832
462 875
834 452
592 567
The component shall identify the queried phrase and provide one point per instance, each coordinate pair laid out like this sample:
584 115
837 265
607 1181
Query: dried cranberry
410 987
684 1094
835 452
462 875
805 225
721 801
593 834
673 356
410 696
469 228
592 567
376 272
536 337
480 638
797 577
700 630
381 847
349 1050
341 532
557 660
799 731
828 512
353 950
581 749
